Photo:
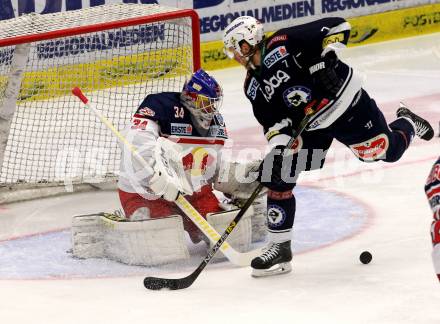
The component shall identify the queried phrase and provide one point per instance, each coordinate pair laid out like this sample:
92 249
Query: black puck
365 257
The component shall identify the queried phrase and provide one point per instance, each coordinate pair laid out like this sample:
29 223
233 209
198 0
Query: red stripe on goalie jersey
435 232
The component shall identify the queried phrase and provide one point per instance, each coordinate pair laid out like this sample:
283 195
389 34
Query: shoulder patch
275 39
145 111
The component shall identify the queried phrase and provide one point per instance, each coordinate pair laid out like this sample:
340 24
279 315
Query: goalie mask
202 95
241 38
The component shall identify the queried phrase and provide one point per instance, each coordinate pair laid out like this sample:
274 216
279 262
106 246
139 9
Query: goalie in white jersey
182 130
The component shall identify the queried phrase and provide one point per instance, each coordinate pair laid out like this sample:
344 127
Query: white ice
327 285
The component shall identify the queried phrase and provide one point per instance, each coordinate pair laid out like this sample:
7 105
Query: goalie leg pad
436 259
144 242
240 238
87 237
258 213
259 219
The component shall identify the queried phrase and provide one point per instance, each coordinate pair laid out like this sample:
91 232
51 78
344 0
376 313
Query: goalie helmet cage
116 53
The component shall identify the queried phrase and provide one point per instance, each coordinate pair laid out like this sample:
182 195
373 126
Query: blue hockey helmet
202 95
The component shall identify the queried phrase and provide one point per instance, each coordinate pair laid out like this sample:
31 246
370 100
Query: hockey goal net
116 53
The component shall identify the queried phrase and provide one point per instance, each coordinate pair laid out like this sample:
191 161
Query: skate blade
281 268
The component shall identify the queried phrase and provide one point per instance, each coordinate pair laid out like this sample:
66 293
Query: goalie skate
275 260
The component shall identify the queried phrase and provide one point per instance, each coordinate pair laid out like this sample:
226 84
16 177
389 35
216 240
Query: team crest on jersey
275 55
296 95
252 89
371 150
181 129
146 112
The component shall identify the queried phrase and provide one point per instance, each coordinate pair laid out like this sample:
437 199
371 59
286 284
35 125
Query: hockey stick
237 258
155 283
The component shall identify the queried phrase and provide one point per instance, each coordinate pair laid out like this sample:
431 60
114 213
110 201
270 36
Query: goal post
116 53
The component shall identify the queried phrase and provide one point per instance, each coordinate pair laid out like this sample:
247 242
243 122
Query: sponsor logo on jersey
279 38
146 112
217 131
252 89
324 113
274 82
181 129
372 149
317 67
274 56
297 95
275 215
336 38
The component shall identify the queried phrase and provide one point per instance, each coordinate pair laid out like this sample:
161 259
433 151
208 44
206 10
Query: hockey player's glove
275 172
161 185
325 77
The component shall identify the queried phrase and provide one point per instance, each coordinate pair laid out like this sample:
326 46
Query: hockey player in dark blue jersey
286 72
432 189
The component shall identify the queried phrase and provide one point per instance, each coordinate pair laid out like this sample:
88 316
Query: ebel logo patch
274 56
146 112
181 129
252 89
279 38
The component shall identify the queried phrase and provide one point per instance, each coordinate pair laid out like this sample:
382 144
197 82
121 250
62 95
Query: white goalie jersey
171 144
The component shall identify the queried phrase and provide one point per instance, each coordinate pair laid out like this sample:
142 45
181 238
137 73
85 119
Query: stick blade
154 283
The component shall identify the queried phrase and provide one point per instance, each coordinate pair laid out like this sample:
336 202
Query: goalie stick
155 283
235 257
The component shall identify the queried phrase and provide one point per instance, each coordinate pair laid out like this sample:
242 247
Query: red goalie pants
204 201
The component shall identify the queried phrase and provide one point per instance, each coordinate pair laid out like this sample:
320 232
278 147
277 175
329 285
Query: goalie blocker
151 242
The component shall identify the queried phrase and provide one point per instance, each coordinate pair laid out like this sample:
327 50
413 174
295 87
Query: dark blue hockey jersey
283 85
174 119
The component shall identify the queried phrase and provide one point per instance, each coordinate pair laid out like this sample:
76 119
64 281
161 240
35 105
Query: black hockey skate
274 260
423 129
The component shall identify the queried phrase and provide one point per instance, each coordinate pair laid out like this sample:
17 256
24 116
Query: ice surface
327 284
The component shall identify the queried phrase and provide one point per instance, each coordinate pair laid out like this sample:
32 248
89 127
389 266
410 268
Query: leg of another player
364 129
276 257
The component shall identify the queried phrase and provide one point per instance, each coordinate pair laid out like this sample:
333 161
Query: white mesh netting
51 137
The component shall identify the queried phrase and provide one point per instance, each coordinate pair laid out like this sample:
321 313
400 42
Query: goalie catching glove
162 186
169 179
